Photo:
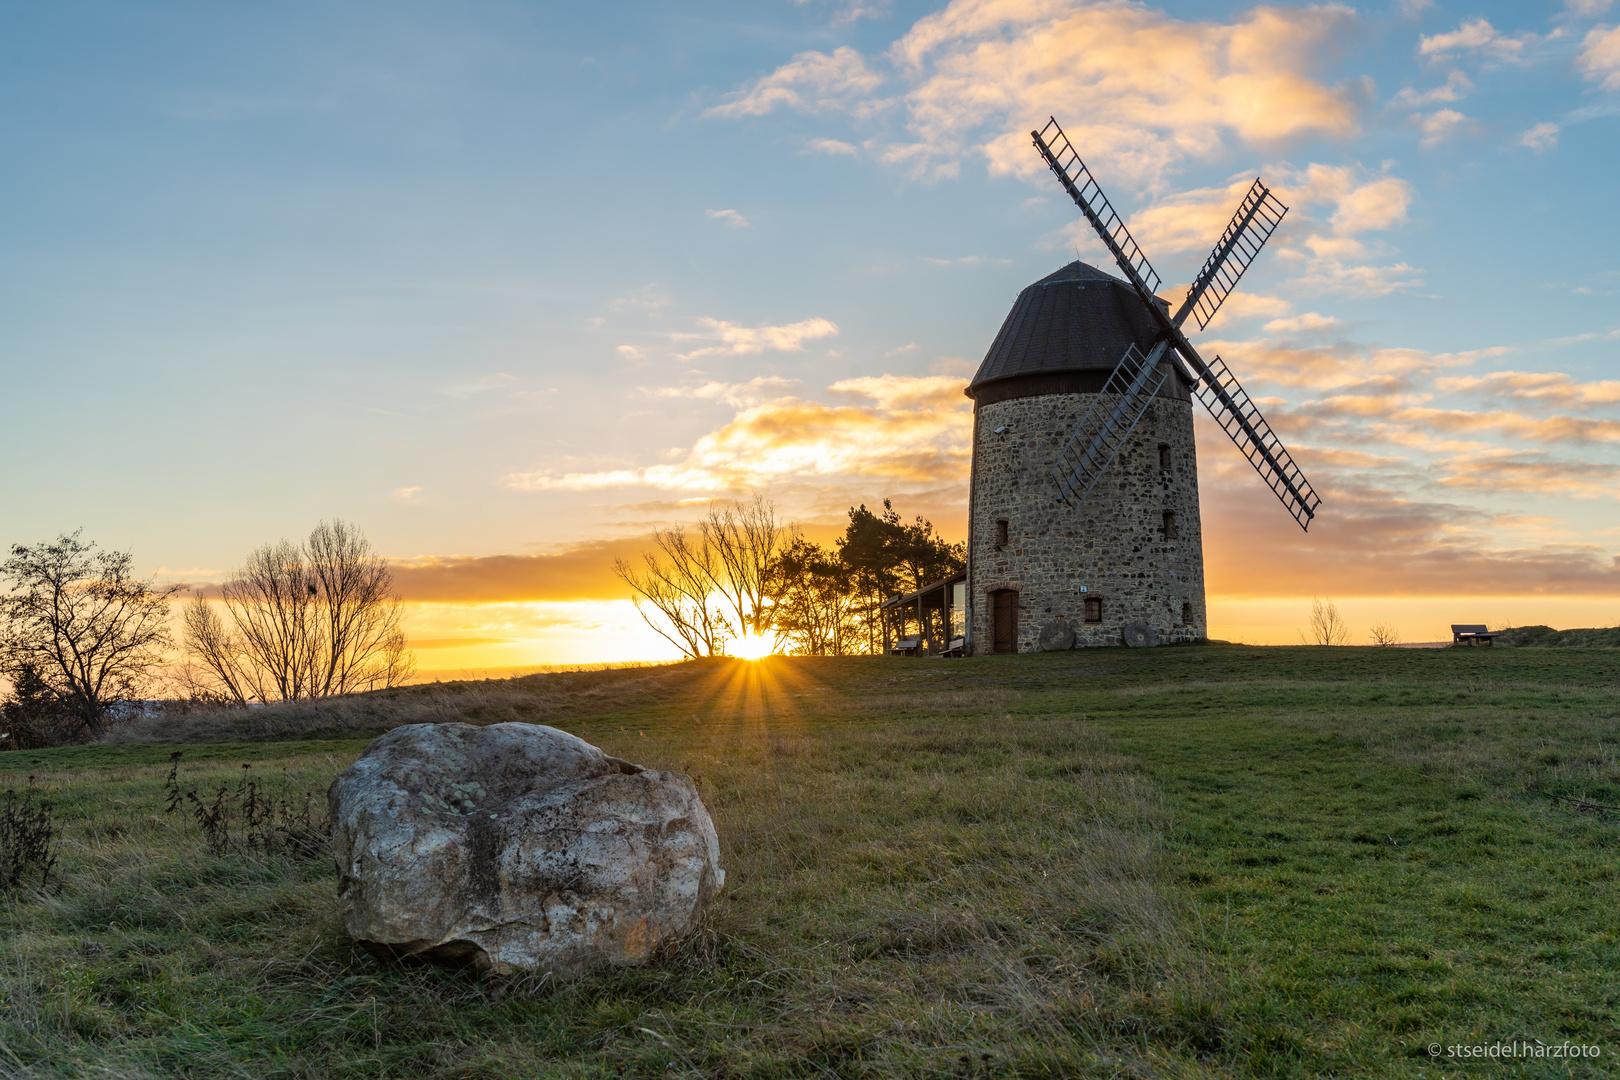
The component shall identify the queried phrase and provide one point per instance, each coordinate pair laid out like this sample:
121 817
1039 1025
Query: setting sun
753 646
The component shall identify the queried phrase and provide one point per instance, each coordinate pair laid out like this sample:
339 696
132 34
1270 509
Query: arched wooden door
1004 620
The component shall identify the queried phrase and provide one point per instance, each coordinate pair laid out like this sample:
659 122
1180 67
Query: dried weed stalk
248 817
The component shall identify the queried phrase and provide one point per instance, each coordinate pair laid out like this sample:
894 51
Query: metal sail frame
1218 389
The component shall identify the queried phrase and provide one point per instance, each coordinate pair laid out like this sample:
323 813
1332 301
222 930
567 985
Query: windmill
1084 526
1097 440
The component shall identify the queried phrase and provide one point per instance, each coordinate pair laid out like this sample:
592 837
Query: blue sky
497 281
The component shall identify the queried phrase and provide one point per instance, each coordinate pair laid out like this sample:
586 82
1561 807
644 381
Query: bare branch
305 622
78 621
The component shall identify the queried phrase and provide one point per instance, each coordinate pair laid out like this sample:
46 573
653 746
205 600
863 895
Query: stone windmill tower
1083 523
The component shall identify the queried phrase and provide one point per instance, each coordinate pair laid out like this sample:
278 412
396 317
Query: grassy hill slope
1202 861
1543 637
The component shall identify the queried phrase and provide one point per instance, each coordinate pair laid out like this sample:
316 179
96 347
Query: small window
1169 524
1093 609
1001 532
1186 612
1164 456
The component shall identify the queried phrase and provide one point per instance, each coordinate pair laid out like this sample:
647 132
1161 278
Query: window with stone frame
1186 612
1169 524
1164 456
1093 607
1001 532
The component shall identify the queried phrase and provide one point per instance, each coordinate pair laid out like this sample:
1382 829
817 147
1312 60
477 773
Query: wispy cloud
465 390
729 217
1552 387
738 340
848 11
1543 136
832 147
742 395
1457 87
1308 322
647 300
811 82
1552 429
1440 125
1476 36
1529 471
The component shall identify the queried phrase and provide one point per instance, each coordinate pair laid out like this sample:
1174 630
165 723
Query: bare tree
302 622
679 589
81 625
362 644
700 589
747 542
1327 625
1385 636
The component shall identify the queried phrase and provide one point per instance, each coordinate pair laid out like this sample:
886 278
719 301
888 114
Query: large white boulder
515 848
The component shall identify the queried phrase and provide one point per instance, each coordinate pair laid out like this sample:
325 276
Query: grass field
1189 862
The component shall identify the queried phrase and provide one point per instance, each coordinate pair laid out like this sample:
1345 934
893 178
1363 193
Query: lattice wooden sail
1108 423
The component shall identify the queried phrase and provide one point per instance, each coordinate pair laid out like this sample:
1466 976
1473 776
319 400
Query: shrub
26 836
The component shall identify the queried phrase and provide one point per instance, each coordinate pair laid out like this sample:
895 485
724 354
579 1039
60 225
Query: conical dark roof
1077 319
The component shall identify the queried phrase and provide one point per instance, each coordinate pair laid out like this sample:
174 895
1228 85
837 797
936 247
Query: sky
508 285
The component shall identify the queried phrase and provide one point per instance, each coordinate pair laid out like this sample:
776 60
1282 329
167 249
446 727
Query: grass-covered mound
1545 637
1176 862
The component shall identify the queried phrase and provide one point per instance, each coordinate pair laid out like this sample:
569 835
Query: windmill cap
1077 319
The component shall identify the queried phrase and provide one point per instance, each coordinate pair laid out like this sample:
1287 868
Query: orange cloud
1549 386
1526 471
1369 540
584 572
1517 425
980 73
906 430
1124 69
1337 367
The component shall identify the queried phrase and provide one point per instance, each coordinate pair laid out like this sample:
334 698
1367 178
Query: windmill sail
1229 404
1108 423
1088 195
1095 442
1256 219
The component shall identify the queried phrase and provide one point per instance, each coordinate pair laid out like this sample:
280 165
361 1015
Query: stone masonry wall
1113 545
